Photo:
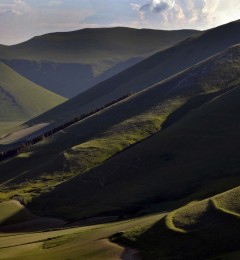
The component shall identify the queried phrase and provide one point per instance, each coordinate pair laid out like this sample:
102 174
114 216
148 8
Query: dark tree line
27 144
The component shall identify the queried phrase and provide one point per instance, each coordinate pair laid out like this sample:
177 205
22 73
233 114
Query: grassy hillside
21 99
150 71
69 63
206 229
195 156
77 149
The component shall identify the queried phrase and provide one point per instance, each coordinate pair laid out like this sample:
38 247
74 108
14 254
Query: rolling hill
163 162
69 155
69 63
158 67
207 229
21 99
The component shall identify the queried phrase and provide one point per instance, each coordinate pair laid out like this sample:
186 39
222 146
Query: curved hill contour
199 230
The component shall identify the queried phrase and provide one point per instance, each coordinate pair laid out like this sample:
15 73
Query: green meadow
15 103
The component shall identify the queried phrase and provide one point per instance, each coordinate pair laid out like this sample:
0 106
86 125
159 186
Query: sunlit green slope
21 99
207 229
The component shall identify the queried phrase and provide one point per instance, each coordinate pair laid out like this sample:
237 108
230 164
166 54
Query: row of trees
25 146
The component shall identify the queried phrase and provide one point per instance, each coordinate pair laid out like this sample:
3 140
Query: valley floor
87 242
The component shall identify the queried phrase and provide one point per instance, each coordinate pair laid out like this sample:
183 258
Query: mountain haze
69 63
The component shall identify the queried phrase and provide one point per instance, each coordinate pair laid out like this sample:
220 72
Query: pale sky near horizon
23 19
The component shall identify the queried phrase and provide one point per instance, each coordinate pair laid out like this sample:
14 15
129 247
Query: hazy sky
23 19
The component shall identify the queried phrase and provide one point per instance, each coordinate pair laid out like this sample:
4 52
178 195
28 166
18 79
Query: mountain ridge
158 67
83 58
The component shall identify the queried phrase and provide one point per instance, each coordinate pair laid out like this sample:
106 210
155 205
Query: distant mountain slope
69 63
77 149
150 71
201 230
21 99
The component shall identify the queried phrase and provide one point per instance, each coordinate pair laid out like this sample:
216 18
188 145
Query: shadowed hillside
15 217
90 142
71 62
195 157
